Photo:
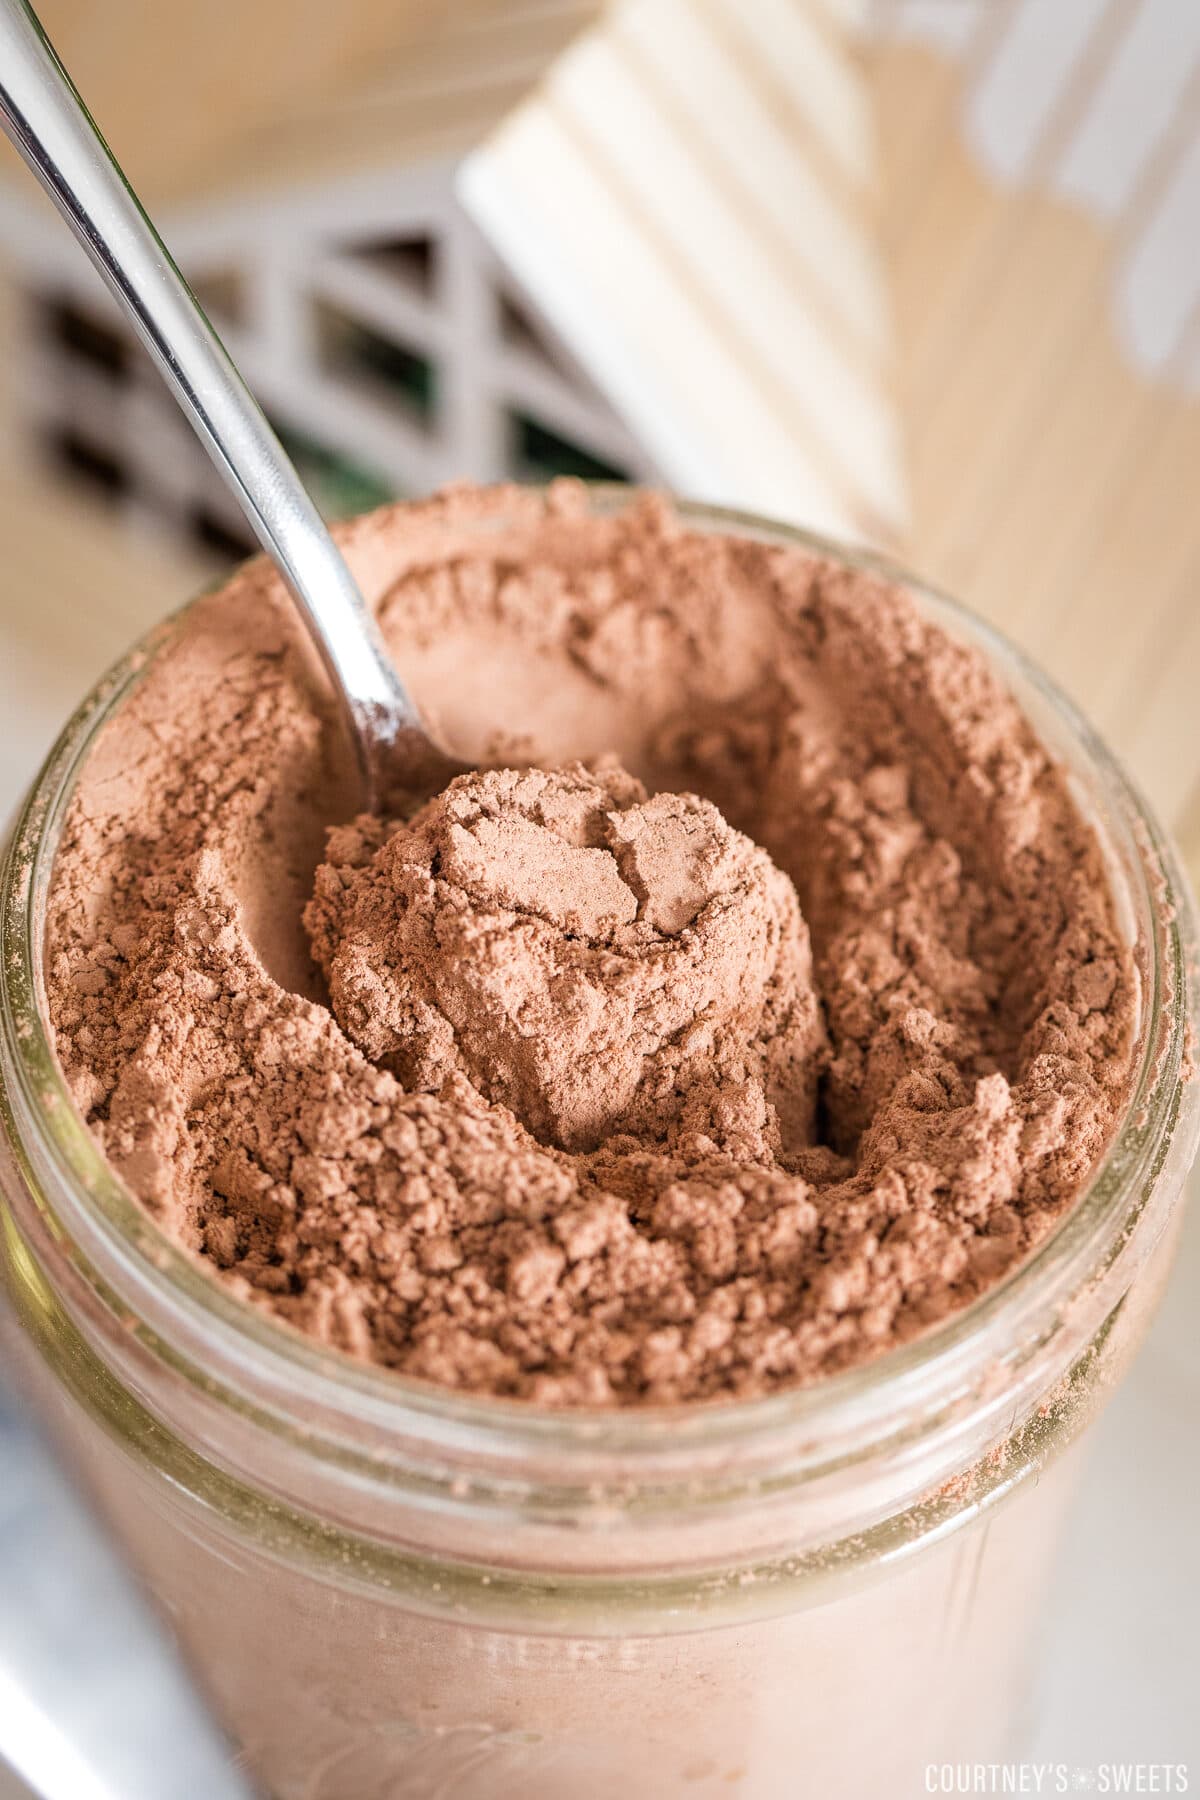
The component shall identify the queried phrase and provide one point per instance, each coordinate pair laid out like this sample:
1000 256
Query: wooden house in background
506 245
921 271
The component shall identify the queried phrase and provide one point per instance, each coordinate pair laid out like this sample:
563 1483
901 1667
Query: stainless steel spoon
47 121
94 1701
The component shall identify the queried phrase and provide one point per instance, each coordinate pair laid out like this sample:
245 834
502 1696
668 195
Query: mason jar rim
824 1422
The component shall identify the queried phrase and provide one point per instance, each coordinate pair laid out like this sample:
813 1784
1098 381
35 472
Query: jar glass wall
390 1589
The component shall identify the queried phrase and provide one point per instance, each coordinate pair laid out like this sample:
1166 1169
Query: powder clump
587 1087
596 960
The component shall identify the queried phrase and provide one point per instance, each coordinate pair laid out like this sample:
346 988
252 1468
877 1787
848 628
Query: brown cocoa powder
601 963
566 1107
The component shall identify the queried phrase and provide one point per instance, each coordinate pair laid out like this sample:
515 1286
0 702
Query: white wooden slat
1018 91
1132 106
518 380
816 227
1159 282
820 81
689 402
827 397
946 26
843 15
402 200
344 416
387 306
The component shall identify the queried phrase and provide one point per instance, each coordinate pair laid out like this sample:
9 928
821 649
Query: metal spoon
47 121
94 1701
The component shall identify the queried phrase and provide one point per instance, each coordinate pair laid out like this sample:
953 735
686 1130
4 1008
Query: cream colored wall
203 100
173 85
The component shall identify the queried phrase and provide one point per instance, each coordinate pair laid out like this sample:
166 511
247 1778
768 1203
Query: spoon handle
48 123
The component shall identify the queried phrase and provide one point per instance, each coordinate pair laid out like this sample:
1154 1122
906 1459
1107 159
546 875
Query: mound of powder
601 1088
597 961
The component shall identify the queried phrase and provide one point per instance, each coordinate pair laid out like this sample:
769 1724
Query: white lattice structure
398 351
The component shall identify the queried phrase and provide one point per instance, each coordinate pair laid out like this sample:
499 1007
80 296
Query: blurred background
924 272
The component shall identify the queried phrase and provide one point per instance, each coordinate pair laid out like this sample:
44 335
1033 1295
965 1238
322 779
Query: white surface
1016 99
1132 107
1120 1675
1120 1658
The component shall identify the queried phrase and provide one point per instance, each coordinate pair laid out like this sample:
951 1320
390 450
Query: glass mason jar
392 1590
